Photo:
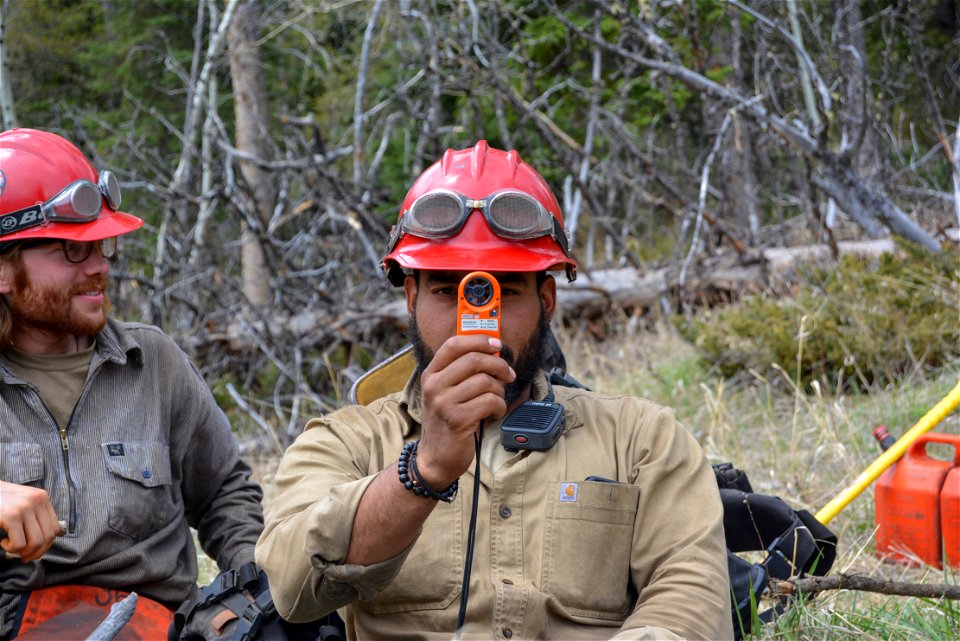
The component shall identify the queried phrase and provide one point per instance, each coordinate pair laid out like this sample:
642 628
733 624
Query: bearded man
439 511
111 445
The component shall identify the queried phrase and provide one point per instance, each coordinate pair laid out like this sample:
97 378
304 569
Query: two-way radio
535 425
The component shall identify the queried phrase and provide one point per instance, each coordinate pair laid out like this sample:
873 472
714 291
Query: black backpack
795 543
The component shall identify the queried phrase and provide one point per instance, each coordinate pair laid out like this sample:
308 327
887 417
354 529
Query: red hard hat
476 173
36 166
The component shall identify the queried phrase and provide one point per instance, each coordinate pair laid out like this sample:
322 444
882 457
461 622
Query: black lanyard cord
471 535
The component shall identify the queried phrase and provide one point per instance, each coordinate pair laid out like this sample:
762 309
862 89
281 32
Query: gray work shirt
146 455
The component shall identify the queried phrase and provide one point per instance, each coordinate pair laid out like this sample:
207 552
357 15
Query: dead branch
701 205
815 584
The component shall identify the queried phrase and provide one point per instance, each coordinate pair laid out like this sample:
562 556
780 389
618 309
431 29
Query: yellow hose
936 414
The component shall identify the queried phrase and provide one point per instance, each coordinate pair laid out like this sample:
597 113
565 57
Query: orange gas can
950 517
907 501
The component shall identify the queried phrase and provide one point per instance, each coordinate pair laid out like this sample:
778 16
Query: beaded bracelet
417 484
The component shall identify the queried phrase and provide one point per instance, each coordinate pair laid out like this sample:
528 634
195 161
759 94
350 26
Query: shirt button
147 474
505 512
507 582
507 633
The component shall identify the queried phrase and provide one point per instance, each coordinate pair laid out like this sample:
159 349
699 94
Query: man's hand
29 520
462 386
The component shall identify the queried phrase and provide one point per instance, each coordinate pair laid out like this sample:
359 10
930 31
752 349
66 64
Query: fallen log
707 282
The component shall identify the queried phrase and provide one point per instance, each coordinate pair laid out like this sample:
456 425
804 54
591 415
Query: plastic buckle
248 622
248 576
225 583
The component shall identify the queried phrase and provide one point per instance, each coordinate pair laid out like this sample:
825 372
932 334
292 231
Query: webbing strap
795 543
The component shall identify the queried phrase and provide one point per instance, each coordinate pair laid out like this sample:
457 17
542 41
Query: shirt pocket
432 573
21 463
587 546
140 494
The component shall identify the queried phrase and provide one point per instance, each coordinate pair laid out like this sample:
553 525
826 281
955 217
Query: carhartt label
115 449
568 492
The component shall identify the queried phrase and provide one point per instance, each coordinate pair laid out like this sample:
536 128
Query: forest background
699 150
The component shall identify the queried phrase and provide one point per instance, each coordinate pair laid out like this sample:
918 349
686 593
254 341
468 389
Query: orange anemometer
478 305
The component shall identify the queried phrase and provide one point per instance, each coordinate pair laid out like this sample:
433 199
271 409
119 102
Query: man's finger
15 540
456 346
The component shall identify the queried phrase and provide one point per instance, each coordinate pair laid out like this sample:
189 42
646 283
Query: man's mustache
98 282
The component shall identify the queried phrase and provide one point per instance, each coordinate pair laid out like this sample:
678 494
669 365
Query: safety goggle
515 215
78 202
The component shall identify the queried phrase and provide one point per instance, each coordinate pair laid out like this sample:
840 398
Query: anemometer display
478 305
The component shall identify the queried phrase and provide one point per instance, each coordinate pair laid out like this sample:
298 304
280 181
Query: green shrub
859 323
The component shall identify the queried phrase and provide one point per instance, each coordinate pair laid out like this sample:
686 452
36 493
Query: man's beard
49 309
526 365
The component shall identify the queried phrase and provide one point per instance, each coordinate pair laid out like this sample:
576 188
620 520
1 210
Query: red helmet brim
107 225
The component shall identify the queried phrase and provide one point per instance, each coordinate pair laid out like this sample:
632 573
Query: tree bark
862 201
251 115
740 186
856 112
865 204
7 109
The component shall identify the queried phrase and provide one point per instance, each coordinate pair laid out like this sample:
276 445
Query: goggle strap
560 235
22 219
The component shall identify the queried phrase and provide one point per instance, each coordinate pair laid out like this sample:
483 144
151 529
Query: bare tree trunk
251 114
740 186
358 147
856 112
6 90
923 78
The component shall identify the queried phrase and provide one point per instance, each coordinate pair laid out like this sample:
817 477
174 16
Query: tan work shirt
556 556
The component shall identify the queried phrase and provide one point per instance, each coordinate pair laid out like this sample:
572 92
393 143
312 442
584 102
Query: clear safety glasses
78 202
510 214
